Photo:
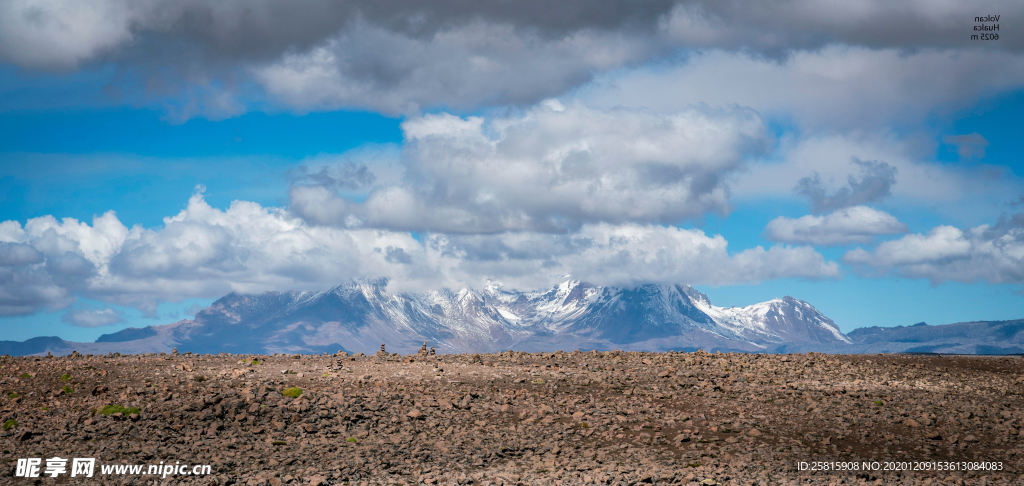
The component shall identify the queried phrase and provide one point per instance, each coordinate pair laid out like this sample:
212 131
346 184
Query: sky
155 155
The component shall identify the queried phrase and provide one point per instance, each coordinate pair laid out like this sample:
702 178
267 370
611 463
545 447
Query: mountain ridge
360 315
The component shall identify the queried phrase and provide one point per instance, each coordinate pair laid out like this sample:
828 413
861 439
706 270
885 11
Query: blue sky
147 169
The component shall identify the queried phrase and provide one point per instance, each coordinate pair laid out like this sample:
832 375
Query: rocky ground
517 418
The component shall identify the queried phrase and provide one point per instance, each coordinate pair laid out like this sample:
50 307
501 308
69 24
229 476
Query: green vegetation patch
26 375
111 409
65 377
877 402
279 442
68 390
10 423
12 395
293 392
351 439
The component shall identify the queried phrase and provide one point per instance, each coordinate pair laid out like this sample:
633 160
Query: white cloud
205 252
970 194
993 254
837 87
626 254
551 168
92 317
859 224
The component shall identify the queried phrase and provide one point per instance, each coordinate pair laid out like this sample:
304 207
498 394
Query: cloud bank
401 56
986 253
207 252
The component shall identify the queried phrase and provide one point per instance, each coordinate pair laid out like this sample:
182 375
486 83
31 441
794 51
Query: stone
600 417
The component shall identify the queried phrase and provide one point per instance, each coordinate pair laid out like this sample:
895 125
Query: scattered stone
522 418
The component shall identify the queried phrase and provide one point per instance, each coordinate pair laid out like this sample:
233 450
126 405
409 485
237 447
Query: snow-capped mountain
358 317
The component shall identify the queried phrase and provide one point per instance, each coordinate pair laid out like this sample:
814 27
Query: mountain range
360 316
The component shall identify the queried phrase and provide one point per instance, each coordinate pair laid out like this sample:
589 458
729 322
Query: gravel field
616 418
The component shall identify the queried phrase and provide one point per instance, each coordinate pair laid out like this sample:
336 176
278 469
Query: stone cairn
382 352
432 352
423 349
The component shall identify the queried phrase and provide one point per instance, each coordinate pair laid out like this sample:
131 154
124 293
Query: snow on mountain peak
570 314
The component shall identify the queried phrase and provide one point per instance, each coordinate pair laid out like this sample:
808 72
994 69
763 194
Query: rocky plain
610 418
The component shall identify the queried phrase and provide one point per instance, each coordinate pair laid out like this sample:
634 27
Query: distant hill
359 316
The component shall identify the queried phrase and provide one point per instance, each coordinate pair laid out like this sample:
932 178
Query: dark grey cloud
205 58
781 25
875 184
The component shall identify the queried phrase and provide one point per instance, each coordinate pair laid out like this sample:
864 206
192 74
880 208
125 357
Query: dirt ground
511 418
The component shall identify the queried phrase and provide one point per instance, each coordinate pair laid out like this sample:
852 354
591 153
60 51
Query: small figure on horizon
432 352
423 349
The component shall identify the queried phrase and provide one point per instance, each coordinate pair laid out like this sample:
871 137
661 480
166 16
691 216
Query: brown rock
414 414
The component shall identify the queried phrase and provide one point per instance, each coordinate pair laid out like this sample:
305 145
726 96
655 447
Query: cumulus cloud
875 183
859 224
551 168
92 317
205 252
41 272
993 254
